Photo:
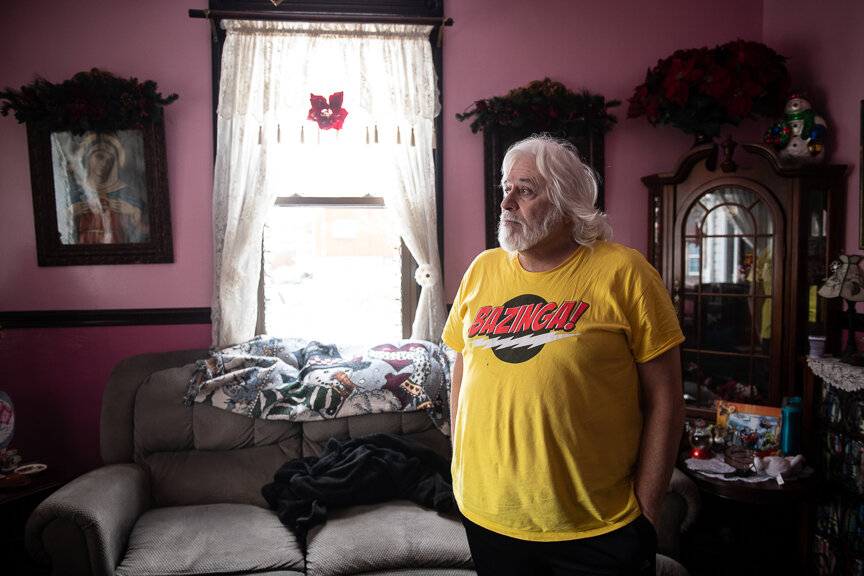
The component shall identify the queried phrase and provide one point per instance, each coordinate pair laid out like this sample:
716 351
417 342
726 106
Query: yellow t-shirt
548 428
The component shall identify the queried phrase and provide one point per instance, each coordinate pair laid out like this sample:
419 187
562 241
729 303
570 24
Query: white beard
520 237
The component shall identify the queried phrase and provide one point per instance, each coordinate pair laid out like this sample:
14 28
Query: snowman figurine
799 136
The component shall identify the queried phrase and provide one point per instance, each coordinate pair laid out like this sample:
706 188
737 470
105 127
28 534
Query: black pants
628 551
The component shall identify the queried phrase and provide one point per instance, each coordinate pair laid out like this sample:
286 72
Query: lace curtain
267 71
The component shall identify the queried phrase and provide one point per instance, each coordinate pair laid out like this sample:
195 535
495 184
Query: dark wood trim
410 8
102 318
320 17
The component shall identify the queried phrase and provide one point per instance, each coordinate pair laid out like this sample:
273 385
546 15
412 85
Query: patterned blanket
293 379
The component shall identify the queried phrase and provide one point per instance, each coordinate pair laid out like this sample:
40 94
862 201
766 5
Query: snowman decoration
799 136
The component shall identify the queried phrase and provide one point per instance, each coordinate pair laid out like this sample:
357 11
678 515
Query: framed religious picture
100 197
97 169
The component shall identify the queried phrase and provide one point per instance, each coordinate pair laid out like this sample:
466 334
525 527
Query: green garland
90 101
543 106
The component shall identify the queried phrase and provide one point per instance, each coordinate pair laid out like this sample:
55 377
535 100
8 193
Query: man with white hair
567 403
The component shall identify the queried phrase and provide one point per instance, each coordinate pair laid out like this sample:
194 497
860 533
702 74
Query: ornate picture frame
97 168
100 197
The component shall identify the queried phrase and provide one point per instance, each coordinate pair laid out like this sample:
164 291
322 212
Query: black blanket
365 470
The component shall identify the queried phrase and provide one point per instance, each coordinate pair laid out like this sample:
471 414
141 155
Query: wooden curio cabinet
743 243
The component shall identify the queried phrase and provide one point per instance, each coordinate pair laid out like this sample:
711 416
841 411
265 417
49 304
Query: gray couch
180 493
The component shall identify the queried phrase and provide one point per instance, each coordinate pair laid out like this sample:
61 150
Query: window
335 268
272 161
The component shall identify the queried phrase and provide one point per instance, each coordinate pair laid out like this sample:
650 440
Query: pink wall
826 58
604 47
55 377
154 40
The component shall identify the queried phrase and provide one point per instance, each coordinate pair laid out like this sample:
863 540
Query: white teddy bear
779 467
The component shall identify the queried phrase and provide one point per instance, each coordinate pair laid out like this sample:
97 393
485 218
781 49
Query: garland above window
90 101
543 106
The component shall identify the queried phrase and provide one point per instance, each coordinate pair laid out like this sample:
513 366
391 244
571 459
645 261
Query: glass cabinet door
743 245
725 297
817 259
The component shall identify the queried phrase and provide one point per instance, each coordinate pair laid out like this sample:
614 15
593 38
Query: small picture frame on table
749 426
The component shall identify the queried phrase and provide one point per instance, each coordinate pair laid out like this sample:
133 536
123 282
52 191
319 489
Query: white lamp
847 282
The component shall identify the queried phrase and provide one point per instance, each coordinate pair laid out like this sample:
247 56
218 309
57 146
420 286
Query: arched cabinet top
721 158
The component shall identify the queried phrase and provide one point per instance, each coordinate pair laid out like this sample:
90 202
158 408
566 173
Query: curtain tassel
398 136
413 143
367 134
260 135
279 133
302 136
376 134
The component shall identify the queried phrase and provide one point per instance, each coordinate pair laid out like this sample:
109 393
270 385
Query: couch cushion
192 477
164 423
118 400
422 572
211 539
395 536
415 425
200 454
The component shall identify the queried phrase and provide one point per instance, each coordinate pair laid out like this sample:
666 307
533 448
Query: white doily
713 466
840 374
717 468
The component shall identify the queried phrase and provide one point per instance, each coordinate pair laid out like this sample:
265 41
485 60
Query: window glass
333 258
333 274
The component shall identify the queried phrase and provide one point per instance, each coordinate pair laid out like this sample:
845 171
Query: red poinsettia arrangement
327 114
698 90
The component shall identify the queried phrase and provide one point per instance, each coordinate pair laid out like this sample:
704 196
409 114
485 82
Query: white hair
570 183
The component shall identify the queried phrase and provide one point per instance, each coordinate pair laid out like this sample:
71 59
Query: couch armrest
83 527
682 485
681 507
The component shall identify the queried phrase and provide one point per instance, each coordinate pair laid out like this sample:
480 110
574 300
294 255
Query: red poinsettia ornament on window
327 114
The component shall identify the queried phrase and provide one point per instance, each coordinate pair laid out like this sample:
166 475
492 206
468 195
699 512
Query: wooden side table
749 528
16 505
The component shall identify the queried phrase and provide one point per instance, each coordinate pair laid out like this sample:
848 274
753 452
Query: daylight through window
333 260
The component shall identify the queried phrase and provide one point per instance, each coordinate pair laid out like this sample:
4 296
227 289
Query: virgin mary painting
100 191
